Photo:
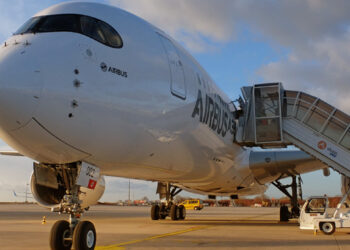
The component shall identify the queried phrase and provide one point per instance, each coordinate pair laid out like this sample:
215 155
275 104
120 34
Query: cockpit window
28 26
92 28
109 34
88 26
58 23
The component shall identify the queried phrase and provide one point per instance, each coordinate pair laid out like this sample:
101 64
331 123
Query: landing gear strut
285 215
65 234
167 192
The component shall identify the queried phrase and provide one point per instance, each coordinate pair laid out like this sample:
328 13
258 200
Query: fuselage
144 110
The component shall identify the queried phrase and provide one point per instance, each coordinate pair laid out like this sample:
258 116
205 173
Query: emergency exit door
177 76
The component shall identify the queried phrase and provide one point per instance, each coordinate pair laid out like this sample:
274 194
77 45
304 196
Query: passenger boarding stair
273 117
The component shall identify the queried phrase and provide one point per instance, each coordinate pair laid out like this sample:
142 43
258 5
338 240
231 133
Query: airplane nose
20 86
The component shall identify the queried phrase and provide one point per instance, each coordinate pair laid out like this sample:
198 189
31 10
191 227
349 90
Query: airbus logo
215 113
113 70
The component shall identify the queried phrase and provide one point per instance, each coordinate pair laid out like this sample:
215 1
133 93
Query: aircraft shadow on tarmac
229 239
222 222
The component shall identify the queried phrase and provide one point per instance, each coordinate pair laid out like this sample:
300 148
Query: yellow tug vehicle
194 204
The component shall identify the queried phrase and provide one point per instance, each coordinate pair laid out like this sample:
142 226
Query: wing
270 165
10 153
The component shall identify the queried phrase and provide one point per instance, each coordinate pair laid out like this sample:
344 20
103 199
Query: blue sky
302 43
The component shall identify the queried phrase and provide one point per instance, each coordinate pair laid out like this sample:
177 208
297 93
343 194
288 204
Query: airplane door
177 75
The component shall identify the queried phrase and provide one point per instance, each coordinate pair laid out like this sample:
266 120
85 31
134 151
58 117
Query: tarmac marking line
120 245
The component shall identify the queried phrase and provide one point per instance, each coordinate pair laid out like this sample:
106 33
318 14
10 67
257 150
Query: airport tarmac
131 228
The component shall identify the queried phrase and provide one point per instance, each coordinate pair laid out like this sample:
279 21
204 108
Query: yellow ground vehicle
195 204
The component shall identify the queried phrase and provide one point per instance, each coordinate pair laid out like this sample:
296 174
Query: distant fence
259 202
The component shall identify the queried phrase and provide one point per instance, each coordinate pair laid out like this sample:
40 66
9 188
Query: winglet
10 153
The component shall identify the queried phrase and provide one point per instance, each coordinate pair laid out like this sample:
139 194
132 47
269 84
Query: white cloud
193 22
315 32
327 75
289 23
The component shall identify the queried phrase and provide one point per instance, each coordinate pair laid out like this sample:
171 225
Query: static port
74 104
77 83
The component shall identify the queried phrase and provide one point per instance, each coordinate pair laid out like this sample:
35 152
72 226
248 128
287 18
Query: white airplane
89 90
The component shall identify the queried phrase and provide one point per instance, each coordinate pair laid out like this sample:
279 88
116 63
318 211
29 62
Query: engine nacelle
345 181
51 197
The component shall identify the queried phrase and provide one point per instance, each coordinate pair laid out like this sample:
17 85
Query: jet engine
48 190
345 181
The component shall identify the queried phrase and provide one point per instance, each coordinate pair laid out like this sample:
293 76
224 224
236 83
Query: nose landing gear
65 234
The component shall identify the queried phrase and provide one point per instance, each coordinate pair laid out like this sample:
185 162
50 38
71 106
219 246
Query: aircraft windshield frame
92 27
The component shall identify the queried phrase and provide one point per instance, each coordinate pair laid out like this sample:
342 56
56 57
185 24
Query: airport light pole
129 191
26 195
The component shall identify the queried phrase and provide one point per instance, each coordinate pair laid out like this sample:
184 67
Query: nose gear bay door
177 76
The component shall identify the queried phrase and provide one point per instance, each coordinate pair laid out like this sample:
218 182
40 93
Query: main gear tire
182 212
155 212
174 212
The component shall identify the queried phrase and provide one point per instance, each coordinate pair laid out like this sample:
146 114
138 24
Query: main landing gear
168 207
285 215
81 235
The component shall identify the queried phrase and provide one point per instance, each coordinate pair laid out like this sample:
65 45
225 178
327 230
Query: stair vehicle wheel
327 227
174 212
182 212
295 212
284 213
162 212
155 212
59 231
84 236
